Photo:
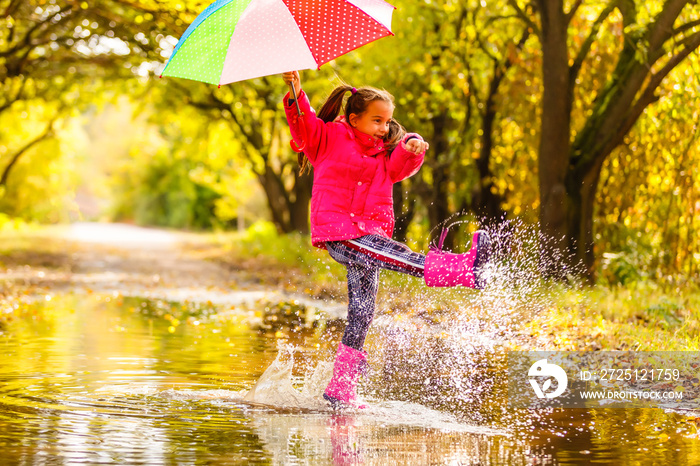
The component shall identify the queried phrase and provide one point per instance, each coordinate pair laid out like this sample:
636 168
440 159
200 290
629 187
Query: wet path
106 380
140 354
80 383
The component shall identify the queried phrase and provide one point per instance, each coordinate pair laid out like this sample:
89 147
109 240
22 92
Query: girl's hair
357 103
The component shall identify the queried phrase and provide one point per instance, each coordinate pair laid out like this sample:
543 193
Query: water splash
275 384
276 389
448 350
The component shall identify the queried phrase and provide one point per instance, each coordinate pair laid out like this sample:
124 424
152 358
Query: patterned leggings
363 258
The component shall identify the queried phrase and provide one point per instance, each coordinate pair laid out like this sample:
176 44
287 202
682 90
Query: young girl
357 157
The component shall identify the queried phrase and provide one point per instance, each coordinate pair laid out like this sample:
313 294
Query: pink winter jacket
353 176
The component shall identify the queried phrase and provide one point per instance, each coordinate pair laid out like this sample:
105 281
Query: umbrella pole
296 101
295 147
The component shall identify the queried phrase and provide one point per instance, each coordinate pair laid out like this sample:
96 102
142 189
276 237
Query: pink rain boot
447 269
349 363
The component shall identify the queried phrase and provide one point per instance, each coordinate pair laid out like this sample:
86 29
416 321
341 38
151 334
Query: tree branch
485 49
14 99
662 27
524 17
252 137
26 41
649 94
162 13
684 27
588 43
568 16
15 158
12 7
689 41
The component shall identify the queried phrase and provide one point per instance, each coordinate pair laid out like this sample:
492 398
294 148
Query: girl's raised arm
310 133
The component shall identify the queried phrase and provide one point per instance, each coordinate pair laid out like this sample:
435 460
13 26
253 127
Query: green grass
642 316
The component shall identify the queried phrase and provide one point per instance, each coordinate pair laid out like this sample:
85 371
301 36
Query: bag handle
441 240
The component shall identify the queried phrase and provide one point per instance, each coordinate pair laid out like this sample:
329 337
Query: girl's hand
417 146
292 78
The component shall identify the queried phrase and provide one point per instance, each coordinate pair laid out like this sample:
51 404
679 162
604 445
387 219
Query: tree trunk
277 199
404 211
289 209
555 203
438 207
579 226
485 203
569 173
299 207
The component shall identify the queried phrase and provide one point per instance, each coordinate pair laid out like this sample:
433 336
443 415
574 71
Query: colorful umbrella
234 40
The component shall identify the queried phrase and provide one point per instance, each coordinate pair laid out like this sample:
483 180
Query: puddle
108 379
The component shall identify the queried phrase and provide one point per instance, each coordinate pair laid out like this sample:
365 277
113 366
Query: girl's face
374 120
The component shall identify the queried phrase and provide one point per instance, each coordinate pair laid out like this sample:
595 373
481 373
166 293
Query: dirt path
133 261
108 255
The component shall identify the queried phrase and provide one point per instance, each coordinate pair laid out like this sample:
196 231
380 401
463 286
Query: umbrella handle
295 147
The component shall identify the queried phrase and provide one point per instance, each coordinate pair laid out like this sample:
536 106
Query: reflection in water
107 379
347 447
